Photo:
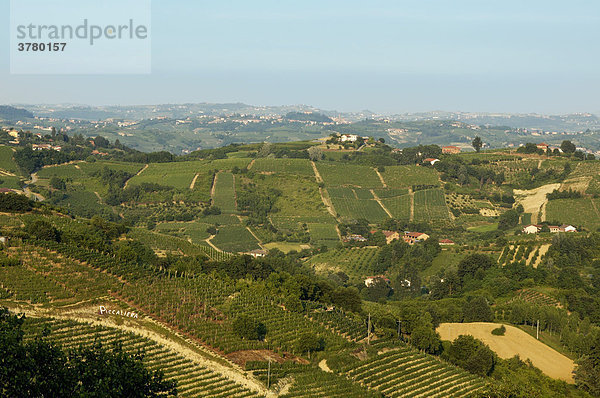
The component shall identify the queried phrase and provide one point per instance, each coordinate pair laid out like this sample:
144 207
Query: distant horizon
373 111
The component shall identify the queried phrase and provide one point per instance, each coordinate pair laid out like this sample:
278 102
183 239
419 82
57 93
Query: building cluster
535 228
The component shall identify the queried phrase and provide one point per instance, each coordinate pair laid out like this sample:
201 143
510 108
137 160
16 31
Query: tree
248 328
509 219
471 355
425 338
567 146
469 265
58 183
477 310
43 230
315 153
40 369
309 342
477 143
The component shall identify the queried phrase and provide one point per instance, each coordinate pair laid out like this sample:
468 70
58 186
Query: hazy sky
386 56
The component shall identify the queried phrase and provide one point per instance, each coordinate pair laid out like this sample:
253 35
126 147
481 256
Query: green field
354 209
233 239
175 174
11 182
323 234
288 166
357 263
336 175
583 212
7 162
399 206
195 231
62 171
407 176
430 205
224 193
390 192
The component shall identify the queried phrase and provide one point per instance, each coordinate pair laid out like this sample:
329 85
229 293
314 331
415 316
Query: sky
385 56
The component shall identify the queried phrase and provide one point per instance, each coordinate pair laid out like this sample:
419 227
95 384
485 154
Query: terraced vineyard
193 379
308 381
406 372
535 297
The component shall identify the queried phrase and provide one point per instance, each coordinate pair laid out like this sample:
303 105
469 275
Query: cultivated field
514 342
336 175
224 192
407 176
583 211
430 205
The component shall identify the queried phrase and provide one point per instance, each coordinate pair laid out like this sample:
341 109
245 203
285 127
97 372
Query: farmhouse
554 228
543 146
5 190
431 161
413 237
567 228
371 280
257 253
446 242
354 237
13 133
532 229
349 138
391 236
450 149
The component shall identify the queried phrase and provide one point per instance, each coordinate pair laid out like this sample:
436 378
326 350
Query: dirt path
594 206
534 201
90 317
327 202
317 174
381 204
324 367
194 181
380 178
212 189
207 240
411 194
514 342
137 174
251 164
256 237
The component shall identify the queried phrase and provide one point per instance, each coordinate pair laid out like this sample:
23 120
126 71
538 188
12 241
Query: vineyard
406 372
348 205
399 206
582 211
534 297
307 381
193 379
407 176
234 239
177 175
323 234
336 175
224 192
357 263
7 162
430 205
287 166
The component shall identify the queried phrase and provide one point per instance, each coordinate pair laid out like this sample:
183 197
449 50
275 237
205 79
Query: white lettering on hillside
105 311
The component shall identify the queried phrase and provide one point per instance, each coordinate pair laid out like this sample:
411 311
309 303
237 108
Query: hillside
307 268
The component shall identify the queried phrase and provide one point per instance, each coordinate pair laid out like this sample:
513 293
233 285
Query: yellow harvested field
514 342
